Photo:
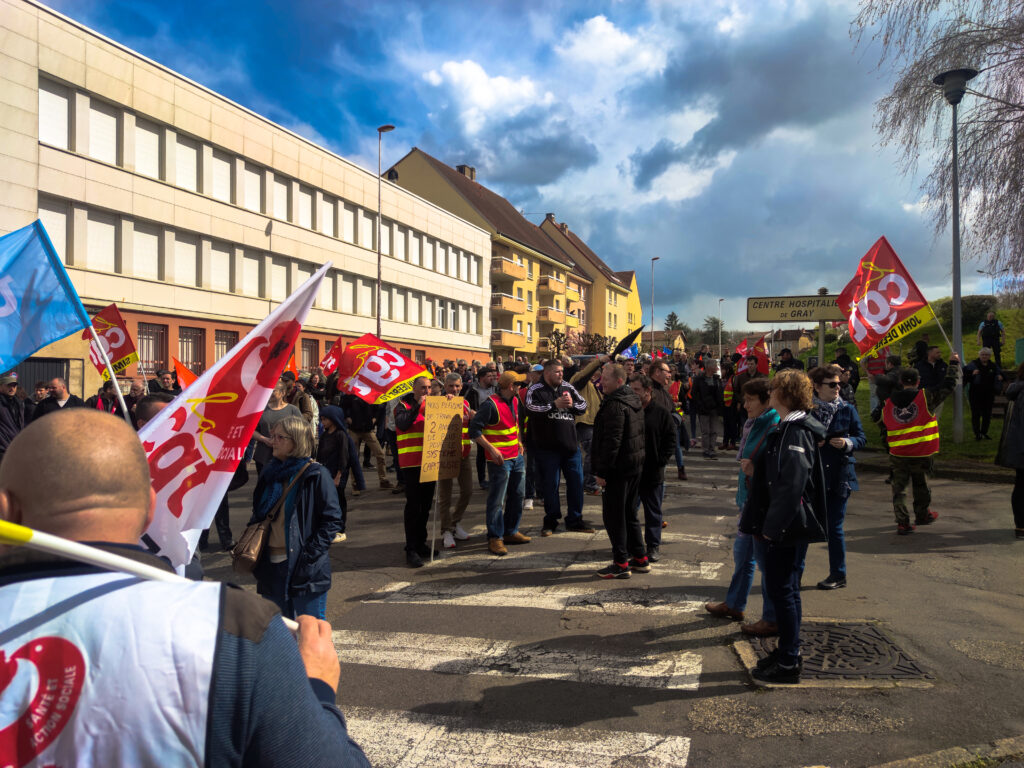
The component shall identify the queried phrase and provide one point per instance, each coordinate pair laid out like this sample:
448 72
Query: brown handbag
250 544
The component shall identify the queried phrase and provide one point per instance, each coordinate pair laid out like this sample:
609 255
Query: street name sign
793 309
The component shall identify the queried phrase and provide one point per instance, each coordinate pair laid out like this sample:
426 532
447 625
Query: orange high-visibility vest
727 393
911 431
674 392
410 442
504 435
466 442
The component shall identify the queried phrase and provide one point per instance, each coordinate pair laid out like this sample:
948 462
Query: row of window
121 138
123 245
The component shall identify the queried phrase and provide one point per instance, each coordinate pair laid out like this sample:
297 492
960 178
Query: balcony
572 294
550 315
501 337
506 269
504 303
543 345
575 307
572 321
551 284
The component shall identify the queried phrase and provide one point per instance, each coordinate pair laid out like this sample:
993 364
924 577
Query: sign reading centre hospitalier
793 309
442 439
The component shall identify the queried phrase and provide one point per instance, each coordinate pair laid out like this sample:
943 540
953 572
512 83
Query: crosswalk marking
553 598
393 739
522 558
713 540
480 656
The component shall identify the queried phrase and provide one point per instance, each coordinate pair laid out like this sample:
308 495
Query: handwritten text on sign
442 439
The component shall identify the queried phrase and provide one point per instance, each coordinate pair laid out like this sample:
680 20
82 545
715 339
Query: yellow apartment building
530 275
197 216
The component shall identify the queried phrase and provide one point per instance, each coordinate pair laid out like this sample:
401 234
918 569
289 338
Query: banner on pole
38 303
882 302
442 439
117 342
195 444
376 372
330 362
183 373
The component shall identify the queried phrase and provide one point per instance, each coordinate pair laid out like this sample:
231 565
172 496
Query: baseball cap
8 378
537 368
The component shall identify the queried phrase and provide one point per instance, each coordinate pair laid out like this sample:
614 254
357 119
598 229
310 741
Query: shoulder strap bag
250 545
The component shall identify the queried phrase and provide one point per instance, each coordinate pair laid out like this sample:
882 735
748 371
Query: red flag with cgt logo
113 335
330 362
195 444
375 371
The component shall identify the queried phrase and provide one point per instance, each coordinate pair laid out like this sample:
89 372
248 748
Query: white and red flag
117 342
195 443
882 301
330 362
376 372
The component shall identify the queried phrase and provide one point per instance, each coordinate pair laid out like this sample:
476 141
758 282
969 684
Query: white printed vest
104 670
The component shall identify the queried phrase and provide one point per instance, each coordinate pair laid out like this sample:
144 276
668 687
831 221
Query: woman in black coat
294 570
786 508
1011 449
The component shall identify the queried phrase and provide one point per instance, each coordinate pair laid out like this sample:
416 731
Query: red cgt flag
882 301
195 444
330 362
113 335
376 372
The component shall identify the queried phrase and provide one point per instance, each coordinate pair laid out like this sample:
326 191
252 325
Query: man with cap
786 360
15 412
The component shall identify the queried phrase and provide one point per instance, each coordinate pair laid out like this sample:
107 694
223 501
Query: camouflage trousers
910 470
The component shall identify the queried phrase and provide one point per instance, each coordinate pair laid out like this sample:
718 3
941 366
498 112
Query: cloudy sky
733 140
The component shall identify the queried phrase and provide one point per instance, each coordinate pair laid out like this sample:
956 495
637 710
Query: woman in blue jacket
843 435
294 570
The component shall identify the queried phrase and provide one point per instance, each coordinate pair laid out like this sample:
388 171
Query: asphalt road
530 660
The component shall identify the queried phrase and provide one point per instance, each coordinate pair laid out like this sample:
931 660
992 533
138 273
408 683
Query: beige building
197 216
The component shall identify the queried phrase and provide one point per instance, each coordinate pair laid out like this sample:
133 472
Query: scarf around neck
825 412
276 475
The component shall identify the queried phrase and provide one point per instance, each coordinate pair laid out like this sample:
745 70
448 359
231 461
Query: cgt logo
877 309
60 672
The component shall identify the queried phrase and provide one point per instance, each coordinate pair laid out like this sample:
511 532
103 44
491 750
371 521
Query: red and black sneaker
929 518
905 529
616 571
640 564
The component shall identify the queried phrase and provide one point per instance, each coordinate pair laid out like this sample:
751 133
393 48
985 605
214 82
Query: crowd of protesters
551 431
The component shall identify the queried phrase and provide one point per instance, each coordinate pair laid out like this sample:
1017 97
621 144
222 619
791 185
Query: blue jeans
835 514
510 475
272 589
782 578
584 436
746 551
550 466
678 423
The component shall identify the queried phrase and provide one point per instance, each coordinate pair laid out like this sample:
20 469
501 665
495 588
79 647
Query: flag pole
113 377
15 535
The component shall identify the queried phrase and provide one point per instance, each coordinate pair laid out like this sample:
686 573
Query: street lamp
992 275
954 85
381 130
720 328
653 259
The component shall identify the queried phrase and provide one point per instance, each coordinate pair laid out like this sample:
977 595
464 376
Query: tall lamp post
720 328
954 85
653 259
992 275
380 133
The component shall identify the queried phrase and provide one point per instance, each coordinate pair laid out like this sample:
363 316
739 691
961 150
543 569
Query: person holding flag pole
151 669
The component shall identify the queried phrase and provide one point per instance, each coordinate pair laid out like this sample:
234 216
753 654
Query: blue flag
666 351
38 303
631 352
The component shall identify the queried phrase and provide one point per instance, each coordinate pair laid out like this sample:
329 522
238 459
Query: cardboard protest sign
442 439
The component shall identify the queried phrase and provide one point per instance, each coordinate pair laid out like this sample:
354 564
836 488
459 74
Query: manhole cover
848 651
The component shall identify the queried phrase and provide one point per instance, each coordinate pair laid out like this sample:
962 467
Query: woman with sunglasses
843 435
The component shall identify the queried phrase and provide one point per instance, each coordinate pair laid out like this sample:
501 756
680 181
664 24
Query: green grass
970 449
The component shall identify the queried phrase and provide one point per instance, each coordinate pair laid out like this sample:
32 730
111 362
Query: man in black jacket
552 406
659 445
15 413
59 398
618 460
709 400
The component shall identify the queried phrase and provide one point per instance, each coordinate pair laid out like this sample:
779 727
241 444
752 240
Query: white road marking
711 540
480 656
553 598
407 740
526 558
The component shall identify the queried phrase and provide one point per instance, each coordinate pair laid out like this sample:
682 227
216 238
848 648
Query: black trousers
618 510
418 498
981 414
222 522
782 568
1017 500
651 496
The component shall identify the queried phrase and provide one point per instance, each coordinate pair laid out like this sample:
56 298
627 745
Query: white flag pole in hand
113 376
15 535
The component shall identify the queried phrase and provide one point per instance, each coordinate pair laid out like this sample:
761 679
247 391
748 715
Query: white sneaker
460 534
338 538
528 504
449 540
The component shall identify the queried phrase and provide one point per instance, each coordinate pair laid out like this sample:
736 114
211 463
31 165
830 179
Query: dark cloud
798 76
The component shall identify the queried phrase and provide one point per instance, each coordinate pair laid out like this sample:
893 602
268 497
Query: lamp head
385 128
954 83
